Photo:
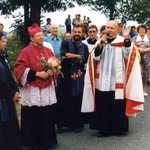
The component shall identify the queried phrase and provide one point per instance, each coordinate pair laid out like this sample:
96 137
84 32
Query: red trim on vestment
117 44
97 75
119 85
131 63
130 104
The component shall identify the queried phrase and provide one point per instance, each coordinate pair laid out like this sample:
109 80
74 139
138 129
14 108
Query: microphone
107 34
104 42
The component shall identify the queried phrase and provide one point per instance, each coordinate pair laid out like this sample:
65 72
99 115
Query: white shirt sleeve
48 45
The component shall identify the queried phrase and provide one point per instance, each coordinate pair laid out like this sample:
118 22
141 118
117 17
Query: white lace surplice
34 96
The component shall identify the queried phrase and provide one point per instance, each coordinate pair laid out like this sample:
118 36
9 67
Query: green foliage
108 7
8 6
53 5
14 45
123 10
137 10
18 29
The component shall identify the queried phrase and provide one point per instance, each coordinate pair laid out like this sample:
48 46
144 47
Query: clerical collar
110 39
91 41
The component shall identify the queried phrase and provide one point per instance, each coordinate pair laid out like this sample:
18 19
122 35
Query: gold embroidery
131 63
74 76
80 73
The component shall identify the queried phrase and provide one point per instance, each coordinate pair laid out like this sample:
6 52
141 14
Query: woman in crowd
142 41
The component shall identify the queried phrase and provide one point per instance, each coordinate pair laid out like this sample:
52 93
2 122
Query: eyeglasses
92 31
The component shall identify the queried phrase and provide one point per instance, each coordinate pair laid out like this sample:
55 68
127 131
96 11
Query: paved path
138 137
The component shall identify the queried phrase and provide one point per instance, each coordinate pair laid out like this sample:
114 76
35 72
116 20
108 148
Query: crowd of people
96 83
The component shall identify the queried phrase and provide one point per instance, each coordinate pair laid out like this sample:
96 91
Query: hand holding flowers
50 72
42 74
52 66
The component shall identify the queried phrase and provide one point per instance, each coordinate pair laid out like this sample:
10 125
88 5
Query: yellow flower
59 67
54 63
50 60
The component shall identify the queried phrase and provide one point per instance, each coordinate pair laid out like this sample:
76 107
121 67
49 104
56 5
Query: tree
108 7
137 10
14 46
123 10
33 10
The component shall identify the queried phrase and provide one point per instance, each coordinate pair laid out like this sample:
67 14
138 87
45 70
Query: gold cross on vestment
74 76
80 73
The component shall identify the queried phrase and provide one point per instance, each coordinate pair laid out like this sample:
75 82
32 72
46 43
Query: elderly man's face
38 39
112 28
67 36
54 29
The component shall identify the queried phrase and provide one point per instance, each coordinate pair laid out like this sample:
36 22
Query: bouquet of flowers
52 64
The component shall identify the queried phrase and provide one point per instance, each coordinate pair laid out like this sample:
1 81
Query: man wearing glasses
92 37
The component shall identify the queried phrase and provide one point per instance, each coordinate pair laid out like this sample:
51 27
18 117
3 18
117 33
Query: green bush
14 45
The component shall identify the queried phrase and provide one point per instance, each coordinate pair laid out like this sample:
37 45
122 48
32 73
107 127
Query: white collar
145 39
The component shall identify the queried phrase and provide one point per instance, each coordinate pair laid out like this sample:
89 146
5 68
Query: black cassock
9 127
109 118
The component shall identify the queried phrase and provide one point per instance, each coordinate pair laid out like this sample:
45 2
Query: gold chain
40 54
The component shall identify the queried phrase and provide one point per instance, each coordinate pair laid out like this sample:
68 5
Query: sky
59 17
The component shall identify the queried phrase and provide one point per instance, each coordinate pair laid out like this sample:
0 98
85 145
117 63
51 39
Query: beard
77 38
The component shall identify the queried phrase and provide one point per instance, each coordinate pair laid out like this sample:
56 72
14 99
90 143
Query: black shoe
59 130
78 130
102 134
68 129
120 133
